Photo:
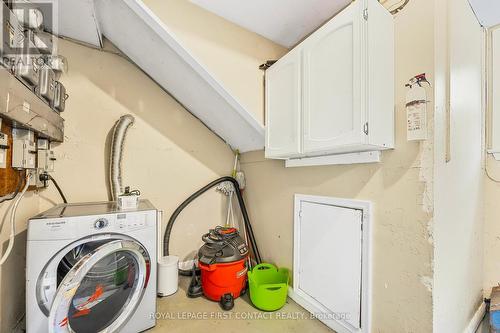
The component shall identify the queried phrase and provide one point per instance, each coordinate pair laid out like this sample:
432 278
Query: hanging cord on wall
45 177
13 212
12 195
487 171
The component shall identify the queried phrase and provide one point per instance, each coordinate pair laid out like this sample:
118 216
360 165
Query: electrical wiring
13 220
12 195
487 172
44 177
58 189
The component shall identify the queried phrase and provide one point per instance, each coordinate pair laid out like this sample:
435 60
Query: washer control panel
131 221
75 227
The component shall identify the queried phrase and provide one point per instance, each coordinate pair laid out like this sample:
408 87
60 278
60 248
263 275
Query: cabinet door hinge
365 128
365 14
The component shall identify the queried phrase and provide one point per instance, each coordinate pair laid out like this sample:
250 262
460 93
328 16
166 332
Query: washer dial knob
101 223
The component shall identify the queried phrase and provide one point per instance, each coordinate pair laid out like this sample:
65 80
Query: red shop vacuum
222 262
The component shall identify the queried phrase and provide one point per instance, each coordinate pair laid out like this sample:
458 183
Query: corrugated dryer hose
115 163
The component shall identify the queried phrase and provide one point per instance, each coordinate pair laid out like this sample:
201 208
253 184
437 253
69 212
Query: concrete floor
178 313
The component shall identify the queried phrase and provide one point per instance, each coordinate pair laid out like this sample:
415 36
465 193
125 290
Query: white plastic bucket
168 275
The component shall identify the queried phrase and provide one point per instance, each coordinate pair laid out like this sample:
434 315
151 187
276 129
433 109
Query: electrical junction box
46 160
27 69
43 144
47 84
4 145
24 154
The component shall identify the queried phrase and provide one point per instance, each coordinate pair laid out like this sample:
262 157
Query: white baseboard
476 319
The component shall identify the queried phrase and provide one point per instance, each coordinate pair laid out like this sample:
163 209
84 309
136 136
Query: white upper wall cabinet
340 97
332 84
283 93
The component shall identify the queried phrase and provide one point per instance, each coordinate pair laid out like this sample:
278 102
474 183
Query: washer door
103 289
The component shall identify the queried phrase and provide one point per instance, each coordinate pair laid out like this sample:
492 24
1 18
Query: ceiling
76 20
487 11
269 18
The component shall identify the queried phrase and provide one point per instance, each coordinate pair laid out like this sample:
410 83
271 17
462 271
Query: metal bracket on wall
340 159
24 109
267 64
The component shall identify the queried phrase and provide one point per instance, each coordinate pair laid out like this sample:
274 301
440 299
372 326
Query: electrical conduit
13 220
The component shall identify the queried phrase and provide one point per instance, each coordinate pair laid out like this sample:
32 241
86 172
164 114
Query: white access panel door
330 272
283 107
333 93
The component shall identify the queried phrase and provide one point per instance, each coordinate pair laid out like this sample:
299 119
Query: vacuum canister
222 261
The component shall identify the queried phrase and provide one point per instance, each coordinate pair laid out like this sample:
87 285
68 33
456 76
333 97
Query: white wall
458 214
492 188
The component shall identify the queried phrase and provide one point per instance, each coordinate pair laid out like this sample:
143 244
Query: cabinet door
333 90
283 107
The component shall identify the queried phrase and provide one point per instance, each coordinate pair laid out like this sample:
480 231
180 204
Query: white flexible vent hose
13 221
115 163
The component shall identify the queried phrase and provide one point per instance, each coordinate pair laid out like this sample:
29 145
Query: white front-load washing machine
91 268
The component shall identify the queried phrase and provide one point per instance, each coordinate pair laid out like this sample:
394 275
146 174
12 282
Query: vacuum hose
115 163
246 220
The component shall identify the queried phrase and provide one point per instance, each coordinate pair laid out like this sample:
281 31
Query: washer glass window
101 291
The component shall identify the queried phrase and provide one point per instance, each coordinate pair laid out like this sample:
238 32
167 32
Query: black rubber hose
20 182
58 189
241 202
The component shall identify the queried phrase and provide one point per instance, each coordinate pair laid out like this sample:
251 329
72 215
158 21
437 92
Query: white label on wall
416 114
